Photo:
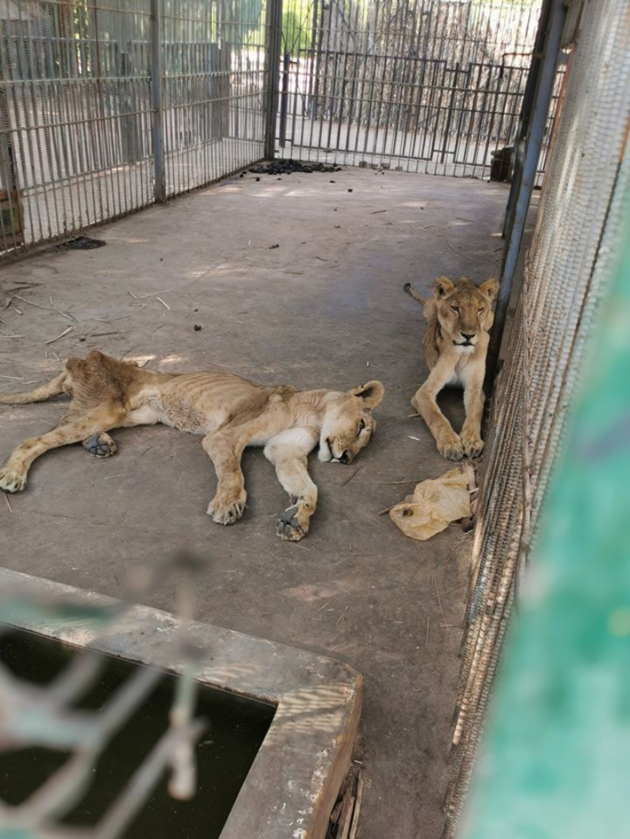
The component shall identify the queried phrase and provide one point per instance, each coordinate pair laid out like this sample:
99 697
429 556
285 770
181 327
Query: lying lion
459 317
230 412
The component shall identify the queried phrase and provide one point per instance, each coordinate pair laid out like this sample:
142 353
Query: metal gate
418 85
108 106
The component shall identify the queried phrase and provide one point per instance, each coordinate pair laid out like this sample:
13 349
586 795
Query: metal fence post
522 197
156 100
274 46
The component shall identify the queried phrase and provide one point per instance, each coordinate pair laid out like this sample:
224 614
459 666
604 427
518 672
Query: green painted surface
556 757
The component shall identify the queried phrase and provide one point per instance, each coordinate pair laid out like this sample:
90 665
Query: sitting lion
459 317
230 412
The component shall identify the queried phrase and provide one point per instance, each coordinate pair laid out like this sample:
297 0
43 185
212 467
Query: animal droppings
286 167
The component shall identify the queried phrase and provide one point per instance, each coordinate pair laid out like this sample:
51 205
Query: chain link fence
85 86
579 228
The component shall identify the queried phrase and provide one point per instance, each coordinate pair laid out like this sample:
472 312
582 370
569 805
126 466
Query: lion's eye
480 311
455 309
361 426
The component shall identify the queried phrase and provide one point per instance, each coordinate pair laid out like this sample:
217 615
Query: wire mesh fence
578 229
427 86
77 105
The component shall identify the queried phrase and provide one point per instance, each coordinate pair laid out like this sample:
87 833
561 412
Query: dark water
225 752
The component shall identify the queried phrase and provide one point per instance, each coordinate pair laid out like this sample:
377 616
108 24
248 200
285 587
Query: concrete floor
325 308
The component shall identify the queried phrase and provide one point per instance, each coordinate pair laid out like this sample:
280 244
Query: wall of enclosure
104 103
420 85
579 228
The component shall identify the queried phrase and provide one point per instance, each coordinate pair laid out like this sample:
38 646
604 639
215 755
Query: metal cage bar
419 85
108 106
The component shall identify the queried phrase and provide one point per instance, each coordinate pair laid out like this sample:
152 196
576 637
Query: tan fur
231 414
459 317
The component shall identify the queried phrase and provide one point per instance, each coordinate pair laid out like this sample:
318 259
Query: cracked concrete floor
323 309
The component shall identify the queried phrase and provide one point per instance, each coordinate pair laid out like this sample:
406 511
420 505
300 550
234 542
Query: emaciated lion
231 414
459 317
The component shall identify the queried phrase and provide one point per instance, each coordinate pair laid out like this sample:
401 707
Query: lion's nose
344 457
467 336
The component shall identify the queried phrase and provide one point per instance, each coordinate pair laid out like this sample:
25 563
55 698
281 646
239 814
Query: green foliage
296 32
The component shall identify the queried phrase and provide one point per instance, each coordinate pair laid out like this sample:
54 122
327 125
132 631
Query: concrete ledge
296 776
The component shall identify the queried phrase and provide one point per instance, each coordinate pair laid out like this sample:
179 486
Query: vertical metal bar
540 110
526 111
156 101
274 44
284 100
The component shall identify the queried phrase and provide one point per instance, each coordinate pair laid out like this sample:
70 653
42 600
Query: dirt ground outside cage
297 280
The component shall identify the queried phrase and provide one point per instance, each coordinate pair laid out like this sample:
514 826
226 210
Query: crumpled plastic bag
434 505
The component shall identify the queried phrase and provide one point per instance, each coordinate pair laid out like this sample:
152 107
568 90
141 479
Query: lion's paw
288 526
472 443
227 507
100 445
450 447
12 480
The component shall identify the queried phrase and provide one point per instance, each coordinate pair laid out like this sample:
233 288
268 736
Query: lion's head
348 423
464 311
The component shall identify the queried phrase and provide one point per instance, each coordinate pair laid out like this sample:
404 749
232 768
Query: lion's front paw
11 480
227 507
291 526
450 446
472 442
100 445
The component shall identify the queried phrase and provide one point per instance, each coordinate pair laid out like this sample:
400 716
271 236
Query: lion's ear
371 394
442 286
490 288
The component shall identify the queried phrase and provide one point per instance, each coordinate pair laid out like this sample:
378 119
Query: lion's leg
473 402
102 445
13 475
448 442
288 451
225 448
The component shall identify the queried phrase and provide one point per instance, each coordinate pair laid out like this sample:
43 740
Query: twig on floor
411 579
46 308
448 591
387 509
65 332
347 481
154 293
466 256
163 303
426 641
6 498
321 609
437 592
410 416
15 378
342 615
132 294
145 451
461 542
393 483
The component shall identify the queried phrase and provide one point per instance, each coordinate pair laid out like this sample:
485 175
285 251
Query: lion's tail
411 291
40 394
